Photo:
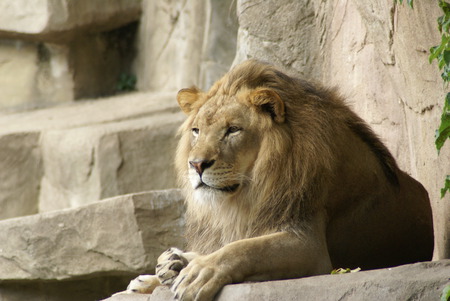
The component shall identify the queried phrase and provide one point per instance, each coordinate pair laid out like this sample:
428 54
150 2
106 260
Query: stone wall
56 51
182 43
68 156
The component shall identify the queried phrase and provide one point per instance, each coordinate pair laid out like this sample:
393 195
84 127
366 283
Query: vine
441 53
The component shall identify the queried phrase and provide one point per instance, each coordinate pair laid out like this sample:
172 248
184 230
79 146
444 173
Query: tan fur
316 188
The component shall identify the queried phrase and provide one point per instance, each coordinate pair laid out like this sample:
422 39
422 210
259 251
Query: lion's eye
233 130
195 131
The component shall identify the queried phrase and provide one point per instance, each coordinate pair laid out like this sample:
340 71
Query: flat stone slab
90 112
49 17
78 153
420 281
119 236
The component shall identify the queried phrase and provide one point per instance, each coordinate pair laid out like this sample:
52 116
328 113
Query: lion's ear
269 101
187 97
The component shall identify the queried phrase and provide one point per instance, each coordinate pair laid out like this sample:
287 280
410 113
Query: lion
283 180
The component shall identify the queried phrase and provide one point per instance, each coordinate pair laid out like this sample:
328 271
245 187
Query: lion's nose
201 165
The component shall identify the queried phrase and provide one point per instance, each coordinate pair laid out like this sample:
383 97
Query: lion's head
238 154
223 137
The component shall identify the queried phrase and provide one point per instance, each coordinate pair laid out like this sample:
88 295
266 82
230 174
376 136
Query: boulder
420 281
119 236
75 154
49 18
94 162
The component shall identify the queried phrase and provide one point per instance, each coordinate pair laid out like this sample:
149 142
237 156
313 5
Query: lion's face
221 140
224 146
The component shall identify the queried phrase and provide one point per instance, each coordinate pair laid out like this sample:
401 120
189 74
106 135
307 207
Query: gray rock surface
421 281
75 154
185 43
56 51
120 236
99 161
20 174
50 17
89 112
22 77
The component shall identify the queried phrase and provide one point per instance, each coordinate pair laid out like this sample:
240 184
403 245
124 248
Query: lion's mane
296 162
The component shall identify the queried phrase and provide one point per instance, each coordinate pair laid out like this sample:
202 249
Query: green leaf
446 74
443 133
344 271
410 2
437 50
444 6
433 53
446 293
445 25
441 62
126 82
446 57
440 22
445 189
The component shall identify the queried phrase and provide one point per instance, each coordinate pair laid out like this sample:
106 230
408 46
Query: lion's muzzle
201 165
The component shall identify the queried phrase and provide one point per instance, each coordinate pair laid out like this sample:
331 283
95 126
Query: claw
165 281
174 257
174 288
176 266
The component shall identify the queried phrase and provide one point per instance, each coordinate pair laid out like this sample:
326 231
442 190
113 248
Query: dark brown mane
253 74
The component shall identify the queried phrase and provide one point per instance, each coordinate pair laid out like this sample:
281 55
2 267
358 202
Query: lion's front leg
276 256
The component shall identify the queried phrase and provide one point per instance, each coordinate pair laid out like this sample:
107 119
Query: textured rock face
73 155
22 77
53 52
20 173
120 236
377 55
51 17
91 163
185 43
284 33
423 281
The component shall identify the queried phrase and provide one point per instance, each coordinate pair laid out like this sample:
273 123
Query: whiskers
241 178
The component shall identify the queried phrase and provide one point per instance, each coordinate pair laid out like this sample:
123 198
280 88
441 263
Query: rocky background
70 136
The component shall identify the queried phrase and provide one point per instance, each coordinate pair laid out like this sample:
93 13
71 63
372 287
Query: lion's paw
170 263
200 280
143 284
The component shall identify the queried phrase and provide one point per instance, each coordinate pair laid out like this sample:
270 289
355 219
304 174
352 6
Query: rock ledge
420 281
